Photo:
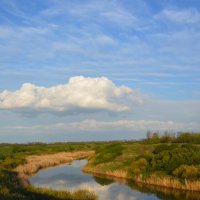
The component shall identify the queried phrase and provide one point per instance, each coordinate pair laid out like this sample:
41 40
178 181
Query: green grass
108 152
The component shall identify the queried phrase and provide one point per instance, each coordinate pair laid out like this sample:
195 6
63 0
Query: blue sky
150 47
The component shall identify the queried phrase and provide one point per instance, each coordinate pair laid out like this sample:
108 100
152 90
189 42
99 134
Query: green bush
109 153
168 160
174 160
186 172
159 148
138 167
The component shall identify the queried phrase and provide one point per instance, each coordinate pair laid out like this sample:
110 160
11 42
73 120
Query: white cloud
79 94
121 17
189 16
138 125
104 39
119 125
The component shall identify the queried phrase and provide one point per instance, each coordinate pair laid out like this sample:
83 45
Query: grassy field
158 160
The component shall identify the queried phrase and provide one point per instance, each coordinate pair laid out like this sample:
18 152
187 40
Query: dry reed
169 182
164 181
37 162
97 170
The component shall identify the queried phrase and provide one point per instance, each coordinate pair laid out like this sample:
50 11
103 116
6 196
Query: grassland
167 161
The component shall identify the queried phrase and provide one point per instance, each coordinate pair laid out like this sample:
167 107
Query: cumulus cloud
80 93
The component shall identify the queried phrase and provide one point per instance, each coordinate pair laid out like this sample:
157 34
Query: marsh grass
169 182
17 162
169 165
61 195
165 192
37 162
117 159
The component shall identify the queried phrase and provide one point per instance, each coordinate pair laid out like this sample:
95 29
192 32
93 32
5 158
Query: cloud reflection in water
71 177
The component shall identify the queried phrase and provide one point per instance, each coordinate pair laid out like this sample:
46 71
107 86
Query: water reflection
166 193
103 180
71 177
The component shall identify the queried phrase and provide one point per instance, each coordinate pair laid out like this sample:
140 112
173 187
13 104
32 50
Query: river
70 177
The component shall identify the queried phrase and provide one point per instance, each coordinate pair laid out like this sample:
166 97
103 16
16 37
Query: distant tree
148 135
167 137
155 138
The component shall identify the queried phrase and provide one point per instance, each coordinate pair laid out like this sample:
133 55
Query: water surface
71 177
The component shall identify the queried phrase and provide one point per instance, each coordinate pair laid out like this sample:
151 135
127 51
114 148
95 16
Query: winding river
71 177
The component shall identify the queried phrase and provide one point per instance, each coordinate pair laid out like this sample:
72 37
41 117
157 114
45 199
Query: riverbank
20 161
96 171
154 180
175 166
36 162
123 165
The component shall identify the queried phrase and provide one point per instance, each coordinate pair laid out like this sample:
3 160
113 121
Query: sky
82 70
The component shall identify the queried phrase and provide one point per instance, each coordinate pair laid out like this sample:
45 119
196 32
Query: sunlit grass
170 164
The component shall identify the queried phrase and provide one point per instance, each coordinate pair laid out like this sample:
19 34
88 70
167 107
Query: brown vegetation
156 180
97 171
37 162
169 182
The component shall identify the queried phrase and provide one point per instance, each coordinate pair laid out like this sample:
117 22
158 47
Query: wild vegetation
36 162
164 160
167 137
12 156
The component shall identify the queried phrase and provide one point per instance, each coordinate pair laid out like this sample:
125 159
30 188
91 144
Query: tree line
167 137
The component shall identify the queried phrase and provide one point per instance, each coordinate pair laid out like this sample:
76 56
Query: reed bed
97 170
169 182
164 181
35 163
63 195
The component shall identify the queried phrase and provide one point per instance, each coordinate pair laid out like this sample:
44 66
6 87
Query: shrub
186 172
138 166
168 160
109 153
160 148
